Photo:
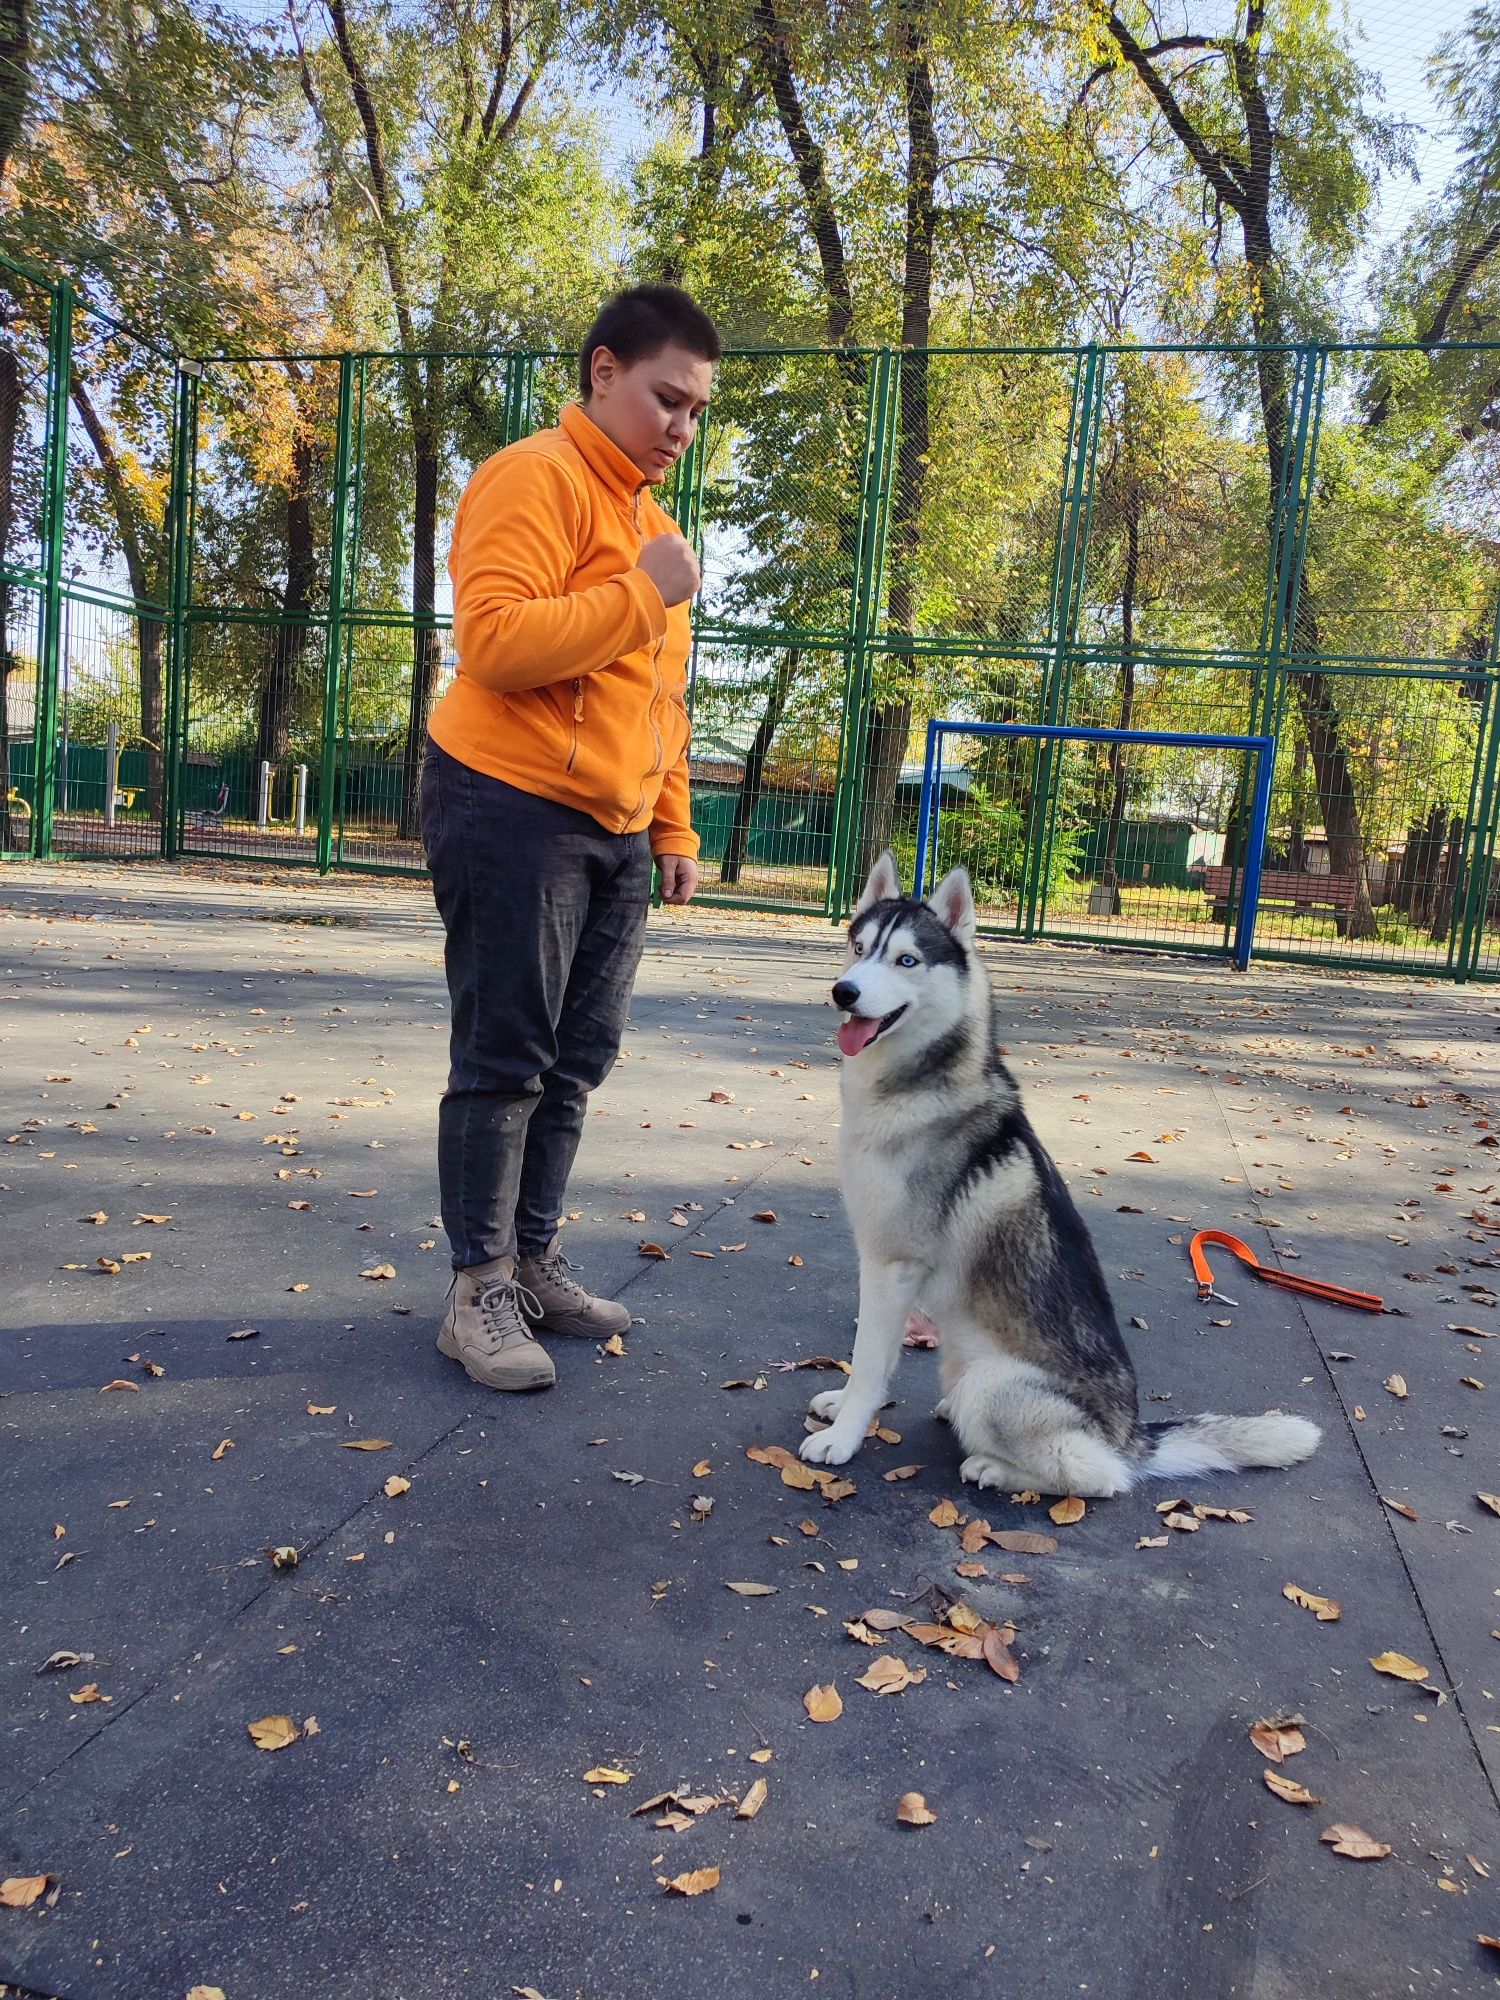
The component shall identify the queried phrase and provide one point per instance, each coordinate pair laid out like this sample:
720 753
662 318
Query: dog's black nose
845 994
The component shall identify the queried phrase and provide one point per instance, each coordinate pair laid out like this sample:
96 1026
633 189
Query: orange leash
1333 1295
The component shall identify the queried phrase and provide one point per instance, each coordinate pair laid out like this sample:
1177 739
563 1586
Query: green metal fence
226 617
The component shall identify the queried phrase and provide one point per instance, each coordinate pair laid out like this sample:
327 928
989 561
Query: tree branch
1467 269
1212 164
807 158
364 104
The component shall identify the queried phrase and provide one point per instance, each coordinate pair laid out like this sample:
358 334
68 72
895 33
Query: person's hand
671 565
679 877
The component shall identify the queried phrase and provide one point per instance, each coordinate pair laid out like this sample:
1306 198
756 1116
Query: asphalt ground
225 1089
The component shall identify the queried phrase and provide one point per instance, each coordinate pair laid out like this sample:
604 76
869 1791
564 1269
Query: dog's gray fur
957 1206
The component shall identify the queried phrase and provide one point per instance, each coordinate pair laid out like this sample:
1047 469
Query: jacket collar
604 458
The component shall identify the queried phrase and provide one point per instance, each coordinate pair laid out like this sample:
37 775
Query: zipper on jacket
656 650
577 718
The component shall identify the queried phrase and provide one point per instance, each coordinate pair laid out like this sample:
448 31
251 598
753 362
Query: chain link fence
226 616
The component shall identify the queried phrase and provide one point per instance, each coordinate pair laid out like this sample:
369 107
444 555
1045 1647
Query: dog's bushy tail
1188 1445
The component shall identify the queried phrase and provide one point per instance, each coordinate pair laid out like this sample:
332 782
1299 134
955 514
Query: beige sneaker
485 1328
566 1306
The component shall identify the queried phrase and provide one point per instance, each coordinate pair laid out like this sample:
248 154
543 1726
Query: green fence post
334 637
179 599
1480 840
54 534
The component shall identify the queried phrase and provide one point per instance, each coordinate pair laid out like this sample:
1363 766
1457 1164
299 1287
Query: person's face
650 408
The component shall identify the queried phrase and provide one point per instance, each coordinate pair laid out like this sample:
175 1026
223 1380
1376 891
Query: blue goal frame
1263 748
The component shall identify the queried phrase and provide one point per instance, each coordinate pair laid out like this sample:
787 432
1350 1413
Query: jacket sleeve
672 822
516 624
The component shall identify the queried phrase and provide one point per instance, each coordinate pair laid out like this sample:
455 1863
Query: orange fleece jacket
572 673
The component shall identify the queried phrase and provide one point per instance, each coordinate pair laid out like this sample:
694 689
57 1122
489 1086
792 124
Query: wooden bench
1286 886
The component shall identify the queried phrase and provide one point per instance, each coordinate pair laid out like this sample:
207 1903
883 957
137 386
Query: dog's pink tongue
856 1032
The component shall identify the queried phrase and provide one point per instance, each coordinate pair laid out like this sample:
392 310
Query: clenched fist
671 565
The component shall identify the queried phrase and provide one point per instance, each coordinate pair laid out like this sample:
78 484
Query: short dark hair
641 321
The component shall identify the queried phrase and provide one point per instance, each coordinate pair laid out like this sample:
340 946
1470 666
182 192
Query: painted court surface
219 1106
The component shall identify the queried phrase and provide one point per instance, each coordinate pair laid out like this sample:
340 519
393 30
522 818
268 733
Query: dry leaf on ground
1490 1500
1399 1667
19 1892
1327 1609
696 1882
1397 1386
752 1589
823 1704
1278 1740
395 1486
1290 1790
1355 1843
912 1810
205 1993
609 1774
1020 1542
891 1675
366 1444
273 1732
901 1472
1066 1512
753 1800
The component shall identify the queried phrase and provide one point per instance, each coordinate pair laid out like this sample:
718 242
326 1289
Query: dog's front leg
887 1293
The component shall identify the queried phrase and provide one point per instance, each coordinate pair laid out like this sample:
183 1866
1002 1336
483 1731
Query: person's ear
604 370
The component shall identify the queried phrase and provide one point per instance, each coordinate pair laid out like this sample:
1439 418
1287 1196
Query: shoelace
555 1270
507 1305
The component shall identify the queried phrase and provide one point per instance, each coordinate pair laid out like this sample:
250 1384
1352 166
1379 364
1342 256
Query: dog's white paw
982 1472
827 1405
831 1447
943 1410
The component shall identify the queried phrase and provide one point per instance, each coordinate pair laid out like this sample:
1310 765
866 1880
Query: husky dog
955 1203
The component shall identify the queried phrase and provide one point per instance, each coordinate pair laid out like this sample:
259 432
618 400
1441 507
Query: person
555 773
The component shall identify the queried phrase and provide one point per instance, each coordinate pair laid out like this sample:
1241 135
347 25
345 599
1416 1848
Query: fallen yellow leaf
1397 1385
1066 1512
1278 1740
696 1882
823 1704
1327 1609
607 1774
890 1675
1399 1667
19 1892
753 1800
396 1485
366 1444
1354 1842
912 1810
944 1515
1289 1789
273 1732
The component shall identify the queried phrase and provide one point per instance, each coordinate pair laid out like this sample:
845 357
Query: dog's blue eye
906 959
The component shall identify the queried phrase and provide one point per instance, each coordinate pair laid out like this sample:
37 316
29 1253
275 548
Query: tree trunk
737 846
1448 881
424 639
1335 781
890 725
1119 766
278 694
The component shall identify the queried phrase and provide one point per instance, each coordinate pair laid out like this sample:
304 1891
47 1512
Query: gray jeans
545 915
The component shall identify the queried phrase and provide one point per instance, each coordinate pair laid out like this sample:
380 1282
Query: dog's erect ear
883 884
953 900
